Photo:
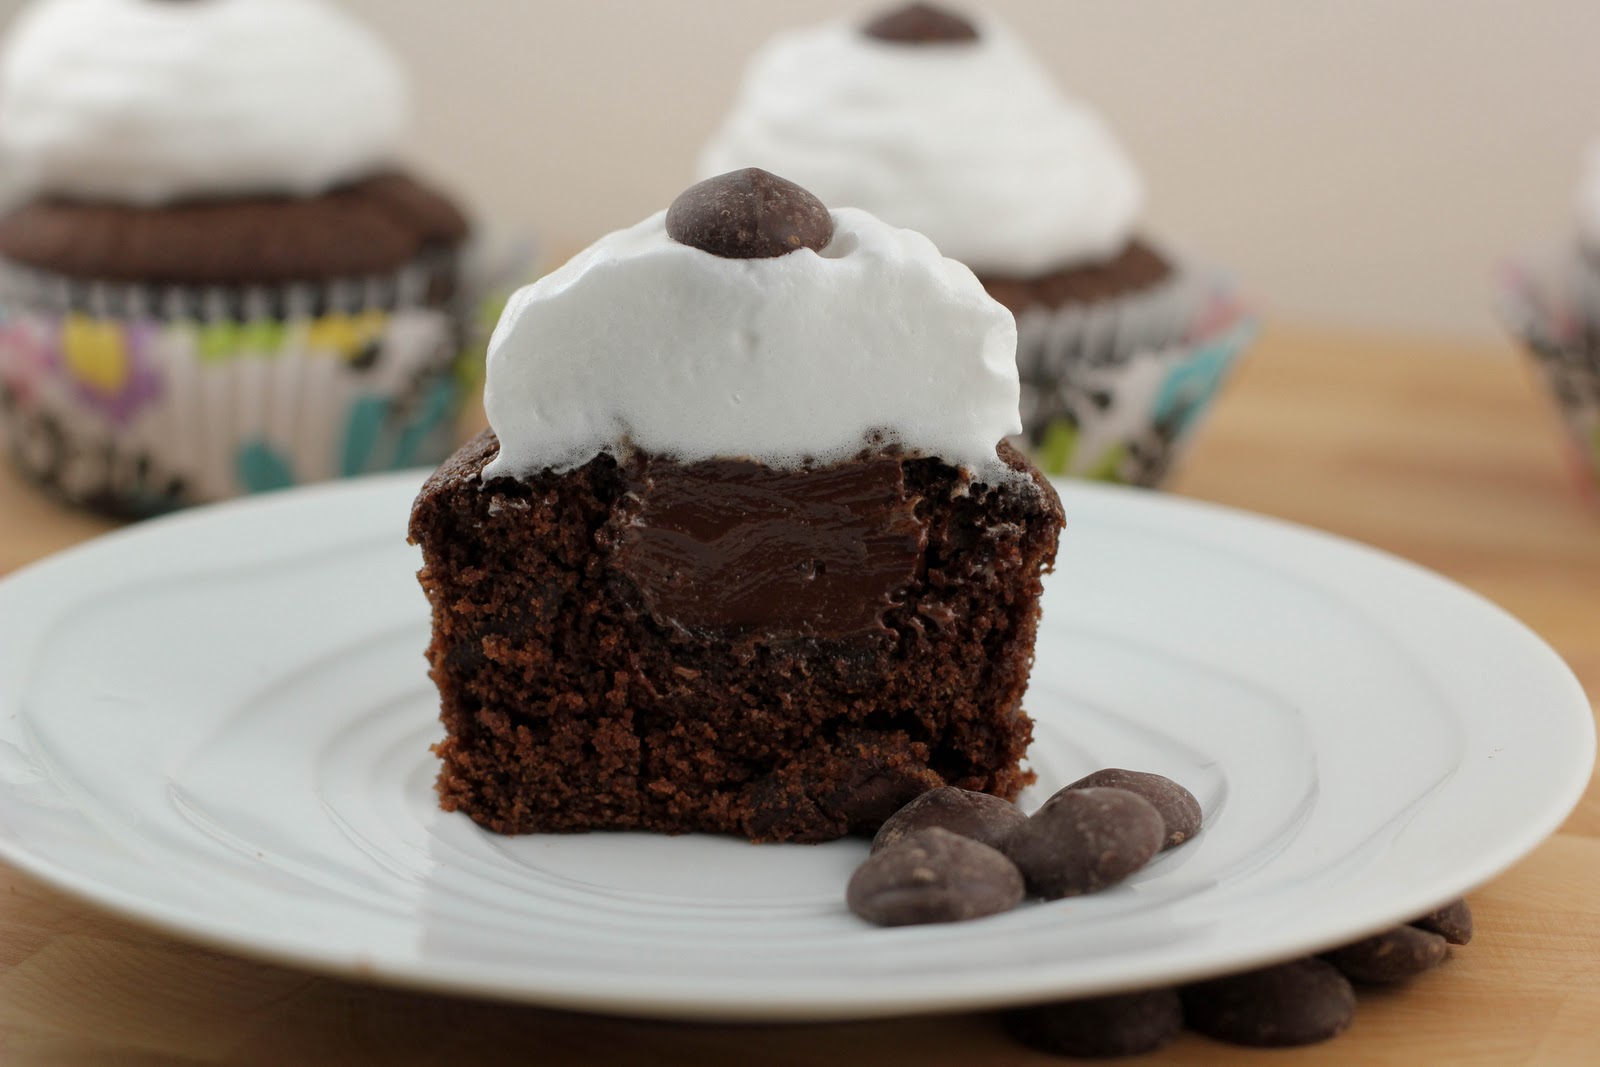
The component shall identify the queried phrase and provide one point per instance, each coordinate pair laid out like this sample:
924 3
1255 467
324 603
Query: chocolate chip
976 815
876 791
1297 1003
920 24
1392 956
1453 922
1083 840
933 876
1125 1024
1180 811
749 214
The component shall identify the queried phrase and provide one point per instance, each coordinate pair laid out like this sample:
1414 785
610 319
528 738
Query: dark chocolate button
1180 811
1390 957
1125 1024
976 815
933 876
1297 1003
1453 922
1083 840
749 214
921 24
876 789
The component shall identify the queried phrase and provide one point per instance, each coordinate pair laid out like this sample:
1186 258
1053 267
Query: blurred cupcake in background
216 280
1551 300
945 123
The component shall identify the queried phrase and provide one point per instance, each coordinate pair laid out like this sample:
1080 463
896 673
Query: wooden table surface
1444 453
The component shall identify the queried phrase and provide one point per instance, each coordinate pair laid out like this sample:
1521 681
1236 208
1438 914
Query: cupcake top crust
748 321
960 135
148 102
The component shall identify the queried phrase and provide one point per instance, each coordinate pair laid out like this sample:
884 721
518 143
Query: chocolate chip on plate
1083 840
1296 1003
921 24
749 214
1124 1024
1392 956
1453 922
933 876
979 816
1180 811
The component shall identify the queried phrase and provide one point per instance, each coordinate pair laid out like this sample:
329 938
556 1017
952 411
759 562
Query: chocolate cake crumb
568 706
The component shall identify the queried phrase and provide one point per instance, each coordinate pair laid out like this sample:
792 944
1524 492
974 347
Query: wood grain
1442 453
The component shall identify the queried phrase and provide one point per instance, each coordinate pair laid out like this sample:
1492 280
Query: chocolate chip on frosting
749 214
933 876
920 24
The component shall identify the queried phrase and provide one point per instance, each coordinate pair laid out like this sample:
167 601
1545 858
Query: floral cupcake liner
1552 302
134 399
1111 391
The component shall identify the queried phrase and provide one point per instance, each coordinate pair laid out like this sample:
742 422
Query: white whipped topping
642 342
1588 199
971 143
149 101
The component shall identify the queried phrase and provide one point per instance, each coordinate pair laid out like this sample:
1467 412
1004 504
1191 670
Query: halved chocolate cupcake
744 551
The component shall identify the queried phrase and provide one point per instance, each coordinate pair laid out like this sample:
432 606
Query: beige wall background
1363 162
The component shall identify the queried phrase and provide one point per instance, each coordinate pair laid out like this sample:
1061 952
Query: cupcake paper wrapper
1112 390
136 399
1552 302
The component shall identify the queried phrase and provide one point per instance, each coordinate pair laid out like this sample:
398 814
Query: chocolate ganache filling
730 546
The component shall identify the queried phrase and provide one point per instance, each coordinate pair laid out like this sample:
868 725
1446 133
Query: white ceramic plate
219 724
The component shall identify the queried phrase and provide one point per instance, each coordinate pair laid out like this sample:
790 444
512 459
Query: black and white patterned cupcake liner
1112 391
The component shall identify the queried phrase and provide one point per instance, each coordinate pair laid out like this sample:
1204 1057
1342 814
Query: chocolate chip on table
979 816
1083 840
1180 811
1453 922
1124 1024
933 876
1296 1003
920 24
749 214
1390 957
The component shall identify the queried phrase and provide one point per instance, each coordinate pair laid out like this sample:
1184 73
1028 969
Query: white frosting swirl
643 342
150 101
971 143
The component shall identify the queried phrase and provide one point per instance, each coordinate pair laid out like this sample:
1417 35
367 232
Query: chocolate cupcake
745 550
1551 300
945 124
217 281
